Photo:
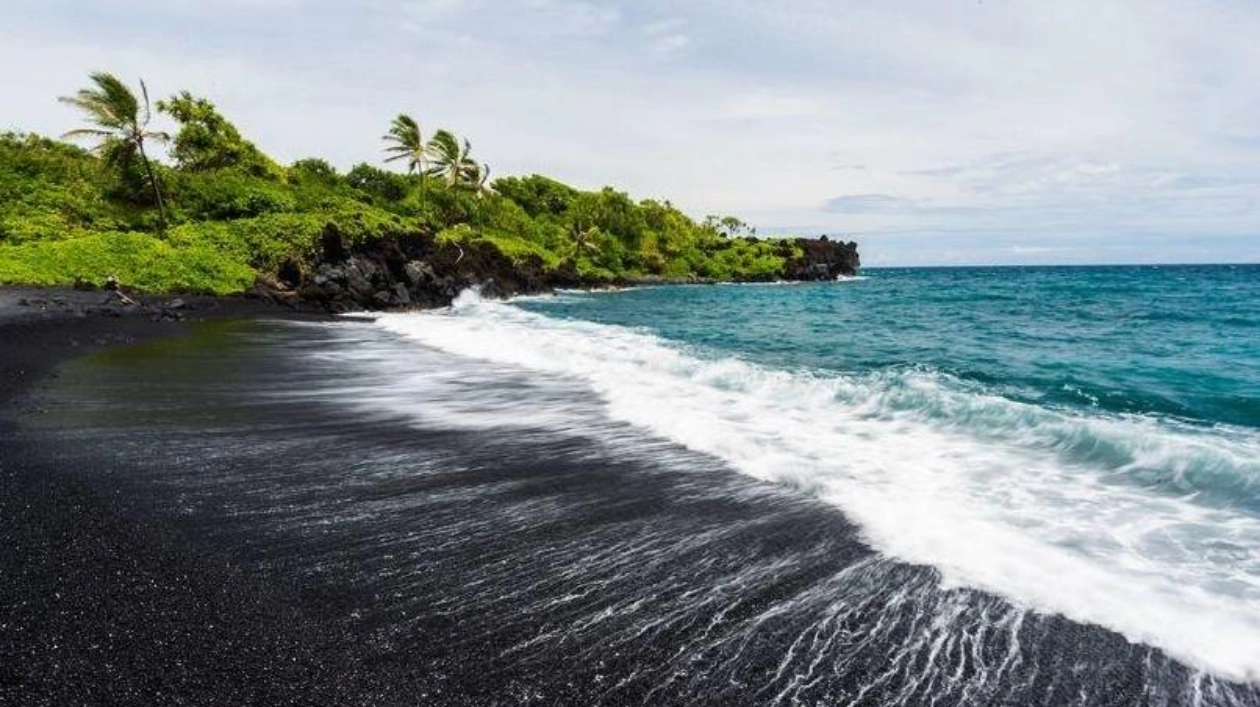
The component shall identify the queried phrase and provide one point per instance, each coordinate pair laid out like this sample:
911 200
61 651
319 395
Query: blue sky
946 132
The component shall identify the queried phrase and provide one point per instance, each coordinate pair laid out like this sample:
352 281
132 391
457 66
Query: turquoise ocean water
1181 341
1081 441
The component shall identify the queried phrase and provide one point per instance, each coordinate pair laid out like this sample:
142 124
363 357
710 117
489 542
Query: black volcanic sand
103 600
207 515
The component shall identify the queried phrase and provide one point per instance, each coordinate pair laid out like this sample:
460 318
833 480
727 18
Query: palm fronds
120 123
406 143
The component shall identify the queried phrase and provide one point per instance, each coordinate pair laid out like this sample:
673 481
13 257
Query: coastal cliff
417 271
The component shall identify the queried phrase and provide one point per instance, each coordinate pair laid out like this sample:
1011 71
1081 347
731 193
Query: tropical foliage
120 126
222 210
452 162
207 141
406 143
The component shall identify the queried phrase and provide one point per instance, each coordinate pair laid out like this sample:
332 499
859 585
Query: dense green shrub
50 189
537 195
265 241
378 185
141 260
314 171
227 194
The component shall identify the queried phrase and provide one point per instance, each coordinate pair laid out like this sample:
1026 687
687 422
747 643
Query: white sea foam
767 283
1108 520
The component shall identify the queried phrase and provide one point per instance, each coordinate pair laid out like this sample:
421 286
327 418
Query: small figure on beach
115 291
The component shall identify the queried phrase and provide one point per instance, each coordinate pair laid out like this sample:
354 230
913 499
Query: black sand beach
104 600
202 513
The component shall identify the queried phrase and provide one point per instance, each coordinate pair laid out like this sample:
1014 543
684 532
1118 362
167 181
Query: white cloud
1122 121
762 105
667 36
665 26
575 17
671 43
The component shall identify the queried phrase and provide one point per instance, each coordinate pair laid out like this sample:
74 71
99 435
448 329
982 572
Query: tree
613 212
452 162
728 226
406 143
316 170
380 185
206 140
537 194
585 240
120 126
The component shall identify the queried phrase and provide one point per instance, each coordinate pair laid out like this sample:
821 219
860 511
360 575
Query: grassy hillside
220 210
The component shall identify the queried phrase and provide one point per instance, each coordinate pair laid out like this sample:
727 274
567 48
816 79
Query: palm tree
406 143
452 162
483 179
116 114
585 240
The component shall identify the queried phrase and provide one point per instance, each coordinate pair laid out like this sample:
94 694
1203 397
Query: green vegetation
222 211
114 112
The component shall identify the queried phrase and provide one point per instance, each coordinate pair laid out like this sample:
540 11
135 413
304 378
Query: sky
941 132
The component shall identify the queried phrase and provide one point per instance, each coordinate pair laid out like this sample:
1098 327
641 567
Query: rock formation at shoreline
417 271
823 259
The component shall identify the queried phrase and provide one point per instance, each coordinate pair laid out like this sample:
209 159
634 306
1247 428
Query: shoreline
45 326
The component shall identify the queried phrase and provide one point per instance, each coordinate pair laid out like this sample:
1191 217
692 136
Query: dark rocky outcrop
415 271
823 259
399 272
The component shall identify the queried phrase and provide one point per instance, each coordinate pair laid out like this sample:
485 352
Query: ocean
949 486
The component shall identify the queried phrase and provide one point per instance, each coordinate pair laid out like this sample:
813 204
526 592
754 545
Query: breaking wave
1144 525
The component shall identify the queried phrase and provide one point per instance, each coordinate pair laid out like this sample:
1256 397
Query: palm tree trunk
157 193
423 195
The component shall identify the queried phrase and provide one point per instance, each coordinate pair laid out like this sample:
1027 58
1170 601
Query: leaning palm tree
406 143
119 124
452 162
